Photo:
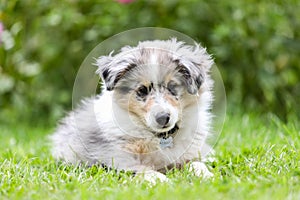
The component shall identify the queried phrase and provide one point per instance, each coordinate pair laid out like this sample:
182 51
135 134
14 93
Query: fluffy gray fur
102 130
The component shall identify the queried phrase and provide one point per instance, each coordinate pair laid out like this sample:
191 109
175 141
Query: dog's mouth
166 134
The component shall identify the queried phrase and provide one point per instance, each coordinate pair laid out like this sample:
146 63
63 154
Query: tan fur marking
168 77
141 146
149 104
171 100
134 107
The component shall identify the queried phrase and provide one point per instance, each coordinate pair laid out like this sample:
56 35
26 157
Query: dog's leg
153 176
150 175
200 169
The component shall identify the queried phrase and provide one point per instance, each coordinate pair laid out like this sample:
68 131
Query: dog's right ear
112 68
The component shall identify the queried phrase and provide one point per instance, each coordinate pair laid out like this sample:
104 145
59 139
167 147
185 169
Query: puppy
153 113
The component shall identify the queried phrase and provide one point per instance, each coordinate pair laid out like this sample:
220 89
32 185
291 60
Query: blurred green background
255 43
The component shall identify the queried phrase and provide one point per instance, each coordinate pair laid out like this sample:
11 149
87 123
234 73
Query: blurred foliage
255 43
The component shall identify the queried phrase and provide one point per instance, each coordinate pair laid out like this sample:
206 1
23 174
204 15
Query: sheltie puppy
153 113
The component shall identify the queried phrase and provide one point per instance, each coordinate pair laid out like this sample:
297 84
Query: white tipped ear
112 68
201 58
192 77
193 62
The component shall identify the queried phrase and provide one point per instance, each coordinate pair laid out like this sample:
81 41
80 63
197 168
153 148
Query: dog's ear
105 71
193 63
192 80
111 69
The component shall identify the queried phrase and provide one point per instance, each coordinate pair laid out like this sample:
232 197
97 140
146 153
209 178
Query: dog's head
155 80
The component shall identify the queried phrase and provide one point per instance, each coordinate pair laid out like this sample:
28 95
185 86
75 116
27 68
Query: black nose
162 118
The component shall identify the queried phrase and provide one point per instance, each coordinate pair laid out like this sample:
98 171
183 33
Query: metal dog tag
166 142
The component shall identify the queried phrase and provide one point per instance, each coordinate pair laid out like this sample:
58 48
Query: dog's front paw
200 169
153 177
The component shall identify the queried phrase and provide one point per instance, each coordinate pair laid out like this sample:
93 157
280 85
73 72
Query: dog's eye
172 88
142 91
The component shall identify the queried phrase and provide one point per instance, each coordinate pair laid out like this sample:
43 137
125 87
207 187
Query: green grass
257 157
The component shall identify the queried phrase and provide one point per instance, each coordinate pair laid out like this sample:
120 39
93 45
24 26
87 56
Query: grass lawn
257 157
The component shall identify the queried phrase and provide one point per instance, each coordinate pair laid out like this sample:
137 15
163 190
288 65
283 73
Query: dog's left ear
193 63
111 69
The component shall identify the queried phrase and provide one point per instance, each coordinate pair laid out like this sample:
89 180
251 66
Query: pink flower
125 1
